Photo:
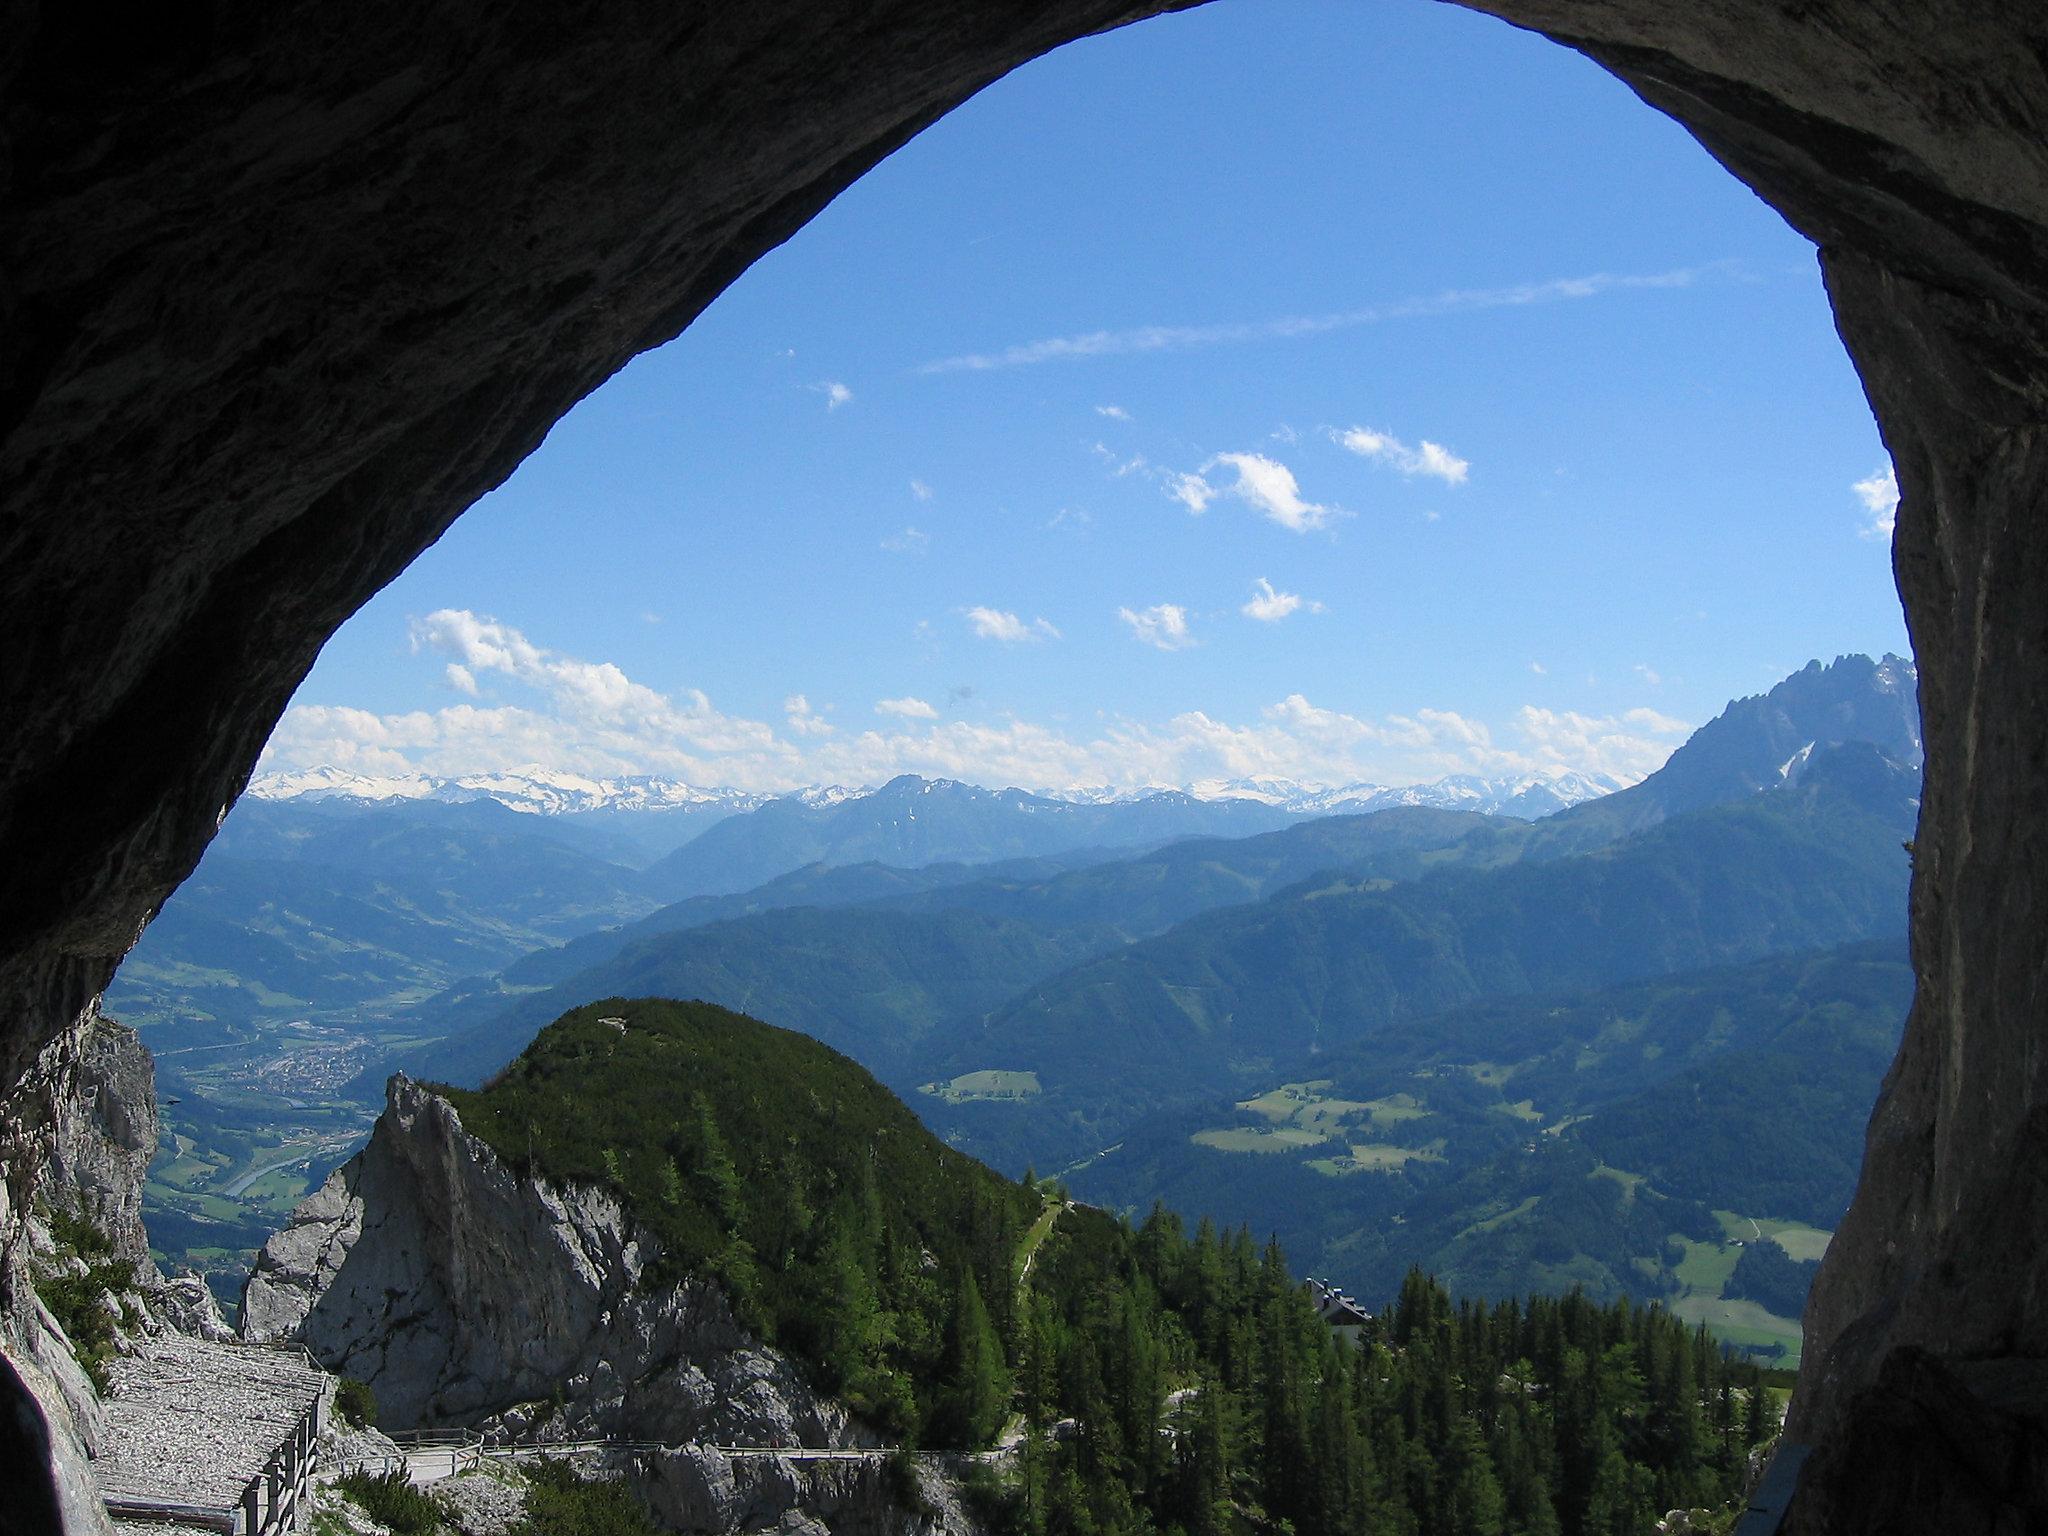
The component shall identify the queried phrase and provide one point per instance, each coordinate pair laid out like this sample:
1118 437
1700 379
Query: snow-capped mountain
1526 796
536 791
550 792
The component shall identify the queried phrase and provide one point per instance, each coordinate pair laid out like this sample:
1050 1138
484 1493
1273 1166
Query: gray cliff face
696 1489
76 1135
100 1132
464 1293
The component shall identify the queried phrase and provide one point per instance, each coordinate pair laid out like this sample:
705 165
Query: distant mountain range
1217 957
1049 976
546 792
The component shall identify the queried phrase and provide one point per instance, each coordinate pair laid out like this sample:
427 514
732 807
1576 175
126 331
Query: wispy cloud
995 624
802 719
1164 338
835 393
920 490
1191 491
1113 412
1879 493
911 541
1266 485
1270 606
1163 626
1431 459
906 709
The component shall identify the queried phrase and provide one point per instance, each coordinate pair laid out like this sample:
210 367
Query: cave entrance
1151 465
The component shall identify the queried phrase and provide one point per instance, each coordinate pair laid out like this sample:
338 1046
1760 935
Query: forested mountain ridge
872 982
1080 912
1157 1379
839 1227
1225 998
912 821
1549 1140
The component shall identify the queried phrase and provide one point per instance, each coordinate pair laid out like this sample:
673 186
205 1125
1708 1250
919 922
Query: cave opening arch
284 301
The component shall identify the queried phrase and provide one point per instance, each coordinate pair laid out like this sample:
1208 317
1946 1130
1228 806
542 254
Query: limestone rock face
101 1131
695 1488
464 1293
283 295
186 1304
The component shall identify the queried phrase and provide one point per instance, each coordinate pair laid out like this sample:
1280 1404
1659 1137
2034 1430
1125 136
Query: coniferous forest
1145 1379
1171 1383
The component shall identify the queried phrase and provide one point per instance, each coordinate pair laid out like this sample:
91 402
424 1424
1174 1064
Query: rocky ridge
463 1292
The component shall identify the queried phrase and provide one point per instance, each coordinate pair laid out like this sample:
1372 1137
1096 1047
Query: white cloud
1192 492
1113 412
1266 485
836 394
590 718
1076 518
460 678
920 490
1879 494
1163 625
911 541
1270 607
802 719
1649 675
596 697
1539 669
1629 745
995 624
1164 338
1431 459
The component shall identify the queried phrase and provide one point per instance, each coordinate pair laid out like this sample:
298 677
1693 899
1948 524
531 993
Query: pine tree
977 1389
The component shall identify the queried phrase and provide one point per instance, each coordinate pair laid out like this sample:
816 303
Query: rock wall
285 292
77 1132
696 1489
464 1293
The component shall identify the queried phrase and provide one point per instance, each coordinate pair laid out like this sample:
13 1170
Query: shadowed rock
285 290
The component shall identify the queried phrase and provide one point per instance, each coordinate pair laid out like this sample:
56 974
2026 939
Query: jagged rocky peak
465 1292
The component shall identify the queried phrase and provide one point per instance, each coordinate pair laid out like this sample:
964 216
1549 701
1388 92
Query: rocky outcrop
97 1106
282 297
694 1488
465 1293
77 1133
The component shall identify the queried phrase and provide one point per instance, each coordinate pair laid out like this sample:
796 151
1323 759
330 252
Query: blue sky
1362 391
